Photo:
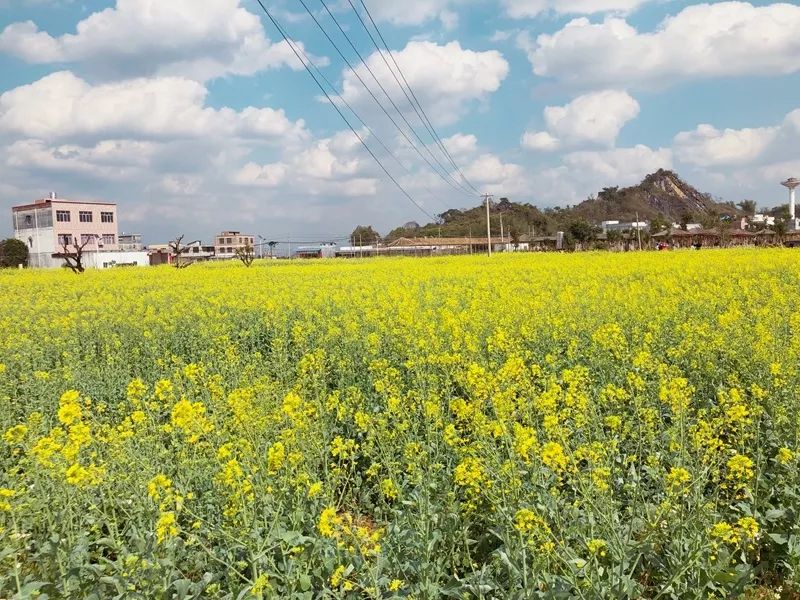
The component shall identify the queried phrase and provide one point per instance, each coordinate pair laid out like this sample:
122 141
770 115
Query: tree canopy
13 253
364 235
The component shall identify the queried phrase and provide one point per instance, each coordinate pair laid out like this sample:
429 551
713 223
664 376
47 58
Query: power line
377 138
453 183
365 124
448 179
341 114
415 103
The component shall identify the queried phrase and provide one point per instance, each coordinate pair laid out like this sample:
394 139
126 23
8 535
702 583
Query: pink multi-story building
48 224
227 243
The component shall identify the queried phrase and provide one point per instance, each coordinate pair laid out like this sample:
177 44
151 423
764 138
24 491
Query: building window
64 239
28 220
107 217
228 241
85 216
62 216
87 238
109 239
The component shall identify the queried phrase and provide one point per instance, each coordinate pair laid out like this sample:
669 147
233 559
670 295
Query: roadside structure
442 245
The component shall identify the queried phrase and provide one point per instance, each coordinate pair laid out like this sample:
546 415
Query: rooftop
791 183
437 241
45 202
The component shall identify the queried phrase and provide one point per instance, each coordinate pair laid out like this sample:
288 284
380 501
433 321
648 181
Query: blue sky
195 116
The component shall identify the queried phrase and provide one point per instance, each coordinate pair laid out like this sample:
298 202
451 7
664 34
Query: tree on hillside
711 220
445 217
364 235
504 205
608 193
13 253
748 207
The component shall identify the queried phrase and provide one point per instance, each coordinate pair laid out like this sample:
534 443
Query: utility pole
470 239
502 234
638 231
487 197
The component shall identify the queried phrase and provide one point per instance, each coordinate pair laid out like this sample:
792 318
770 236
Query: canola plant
530 426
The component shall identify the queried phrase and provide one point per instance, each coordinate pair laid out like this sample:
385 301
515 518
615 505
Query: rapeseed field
530 426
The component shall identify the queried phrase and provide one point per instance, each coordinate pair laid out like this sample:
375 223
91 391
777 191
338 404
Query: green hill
661 196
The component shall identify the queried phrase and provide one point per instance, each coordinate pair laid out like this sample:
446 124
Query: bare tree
246 254
178 249
74 257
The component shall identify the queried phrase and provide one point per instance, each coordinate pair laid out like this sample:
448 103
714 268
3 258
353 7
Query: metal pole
36 233
638 231
488 226
502 234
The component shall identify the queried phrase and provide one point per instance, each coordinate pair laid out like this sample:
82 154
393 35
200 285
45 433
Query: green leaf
305 582
778 538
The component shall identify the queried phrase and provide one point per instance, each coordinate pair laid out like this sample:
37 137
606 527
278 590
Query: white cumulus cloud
747 156
540 140
707 146
518 9
622 166
414 12
461 144
702 41
333 165
200 39
595 118
62 105
447 79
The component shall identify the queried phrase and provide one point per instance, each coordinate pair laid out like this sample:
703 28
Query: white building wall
106 260
41 246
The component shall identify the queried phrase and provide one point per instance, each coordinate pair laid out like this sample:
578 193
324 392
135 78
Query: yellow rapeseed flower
553 456
166 526
15 435
329 521
784 456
